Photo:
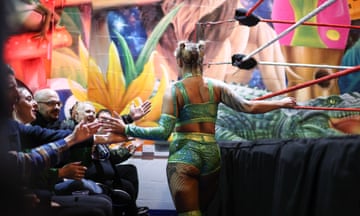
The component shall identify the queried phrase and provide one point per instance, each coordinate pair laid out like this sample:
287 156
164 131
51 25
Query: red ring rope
311 82
328 108
311 24
254 7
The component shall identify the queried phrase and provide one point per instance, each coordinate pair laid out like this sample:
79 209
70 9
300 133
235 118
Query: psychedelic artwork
114 53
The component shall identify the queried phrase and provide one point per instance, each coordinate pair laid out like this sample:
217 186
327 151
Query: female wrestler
190 110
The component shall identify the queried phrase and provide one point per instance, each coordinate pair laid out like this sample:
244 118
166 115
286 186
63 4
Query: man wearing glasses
49 107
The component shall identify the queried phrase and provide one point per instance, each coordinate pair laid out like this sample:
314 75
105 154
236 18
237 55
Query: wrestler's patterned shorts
197 149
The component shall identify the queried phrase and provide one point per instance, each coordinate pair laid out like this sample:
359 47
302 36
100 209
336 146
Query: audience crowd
57 167
66 167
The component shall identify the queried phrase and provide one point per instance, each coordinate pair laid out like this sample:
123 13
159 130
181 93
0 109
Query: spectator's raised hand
138 112
82 132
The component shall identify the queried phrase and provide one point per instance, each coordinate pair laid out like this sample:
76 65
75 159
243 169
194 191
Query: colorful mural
114 53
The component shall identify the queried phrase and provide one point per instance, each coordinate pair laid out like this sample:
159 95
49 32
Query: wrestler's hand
288 102
113 125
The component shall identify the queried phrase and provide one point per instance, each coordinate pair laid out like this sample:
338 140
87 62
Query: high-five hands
113 125
137 113
81 132
117 125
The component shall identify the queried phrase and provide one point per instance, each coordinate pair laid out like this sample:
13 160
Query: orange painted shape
25 46
354 8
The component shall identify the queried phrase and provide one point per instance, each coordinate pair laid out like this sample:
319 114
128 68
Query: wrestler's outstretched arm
161 132
236 102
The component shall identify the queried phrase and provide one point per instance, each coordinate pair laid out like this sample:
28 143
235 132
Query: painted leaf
97 91
155 37
129 66
115 79
143 85
157 100
79 94
84 58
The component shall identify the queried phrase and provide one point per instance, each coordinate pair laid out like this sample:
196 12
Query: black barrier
302 177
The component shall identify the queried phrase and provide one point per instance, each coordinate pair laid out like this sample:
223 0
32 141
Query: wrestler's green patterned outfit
198 149
190 154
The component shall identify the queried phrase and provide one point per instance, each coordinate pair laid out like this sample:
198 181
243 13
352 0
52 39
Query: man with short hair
49 107
47 116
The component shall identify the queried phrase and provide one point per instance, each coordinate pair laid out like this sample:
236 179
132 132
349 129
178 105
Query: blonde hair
189 53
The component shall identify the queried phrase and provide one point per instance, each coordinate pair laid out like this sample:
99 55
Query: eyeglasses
51 103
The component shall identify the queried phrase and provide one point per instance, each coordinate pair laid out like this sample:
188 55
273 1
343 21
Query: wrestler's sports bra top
195 113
